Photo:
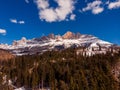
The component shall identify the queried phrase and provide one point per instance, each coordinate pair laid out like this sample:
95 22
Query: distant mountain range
54 42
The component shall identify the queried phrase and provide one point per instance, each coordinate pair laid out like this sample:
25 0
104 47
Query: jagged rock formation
54 42
69 35
20 42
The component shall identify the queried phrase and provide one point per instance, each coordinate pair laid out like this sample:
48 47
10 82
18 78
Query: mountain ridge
54 42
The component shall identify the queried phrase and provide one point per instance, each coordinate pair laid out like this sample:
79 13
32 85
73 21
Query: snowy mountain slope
51 42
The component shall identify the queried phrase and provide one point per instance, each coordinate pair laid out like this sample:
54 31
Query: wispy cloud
17 22
114 5
72 17
95 7
3 31
86 1
107 2
62 12
27 1
13 21
21 22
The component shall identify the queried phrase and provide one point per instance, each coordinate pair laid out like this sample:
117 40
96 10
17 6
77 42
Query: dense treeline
63 70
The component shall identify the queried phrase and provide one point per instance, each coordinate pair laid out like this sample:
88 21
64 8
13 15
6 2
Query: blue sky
34 18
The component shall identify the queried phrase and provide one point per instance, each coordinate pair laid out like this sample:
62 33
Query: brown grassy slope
5 55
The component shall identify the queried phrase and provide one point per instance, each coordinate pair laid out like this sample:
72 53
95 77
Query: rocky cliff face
20 42
69 35
54 42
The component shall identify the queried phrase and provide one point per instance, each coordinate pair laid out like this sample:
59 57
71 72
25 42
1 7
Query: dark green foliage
63 70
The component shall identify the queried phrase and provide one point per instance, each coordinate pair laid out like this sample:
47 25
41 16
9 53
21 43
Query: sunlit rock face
56 42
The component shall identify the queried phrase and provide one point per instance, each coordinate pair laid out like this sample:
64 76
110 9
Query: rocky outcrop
53 42
5 55
69 35
51 36
20 42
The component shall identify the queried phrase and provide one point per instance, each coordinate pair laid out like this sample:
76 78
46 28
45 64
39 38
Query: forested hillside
61 70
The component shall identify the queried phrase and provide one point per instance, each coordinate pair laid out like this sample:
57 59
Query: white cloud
27 1
97 10
3 31
13 21
72 17
21 22
62 12
17 22
95 7
114 5
42 4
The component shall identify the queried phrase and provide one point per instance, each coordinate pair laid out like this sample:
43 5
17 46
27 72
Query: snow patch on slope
45 43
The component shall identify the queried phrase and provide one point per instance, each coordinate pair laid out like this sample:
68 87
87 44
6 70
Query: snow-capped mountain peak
53 42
